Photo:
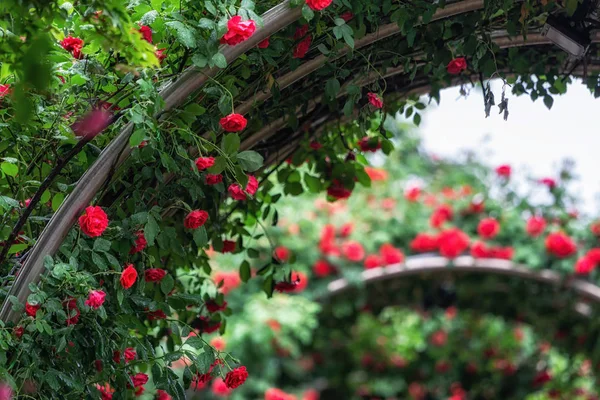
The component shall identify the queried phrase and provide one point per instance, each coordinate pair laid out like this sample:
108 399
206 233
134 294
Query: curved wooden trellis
174 95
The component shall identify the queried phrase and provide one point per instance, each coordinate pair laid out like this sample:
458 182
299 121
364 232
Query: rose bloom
353 251
31 310
412 194
219 388
376 174
347 16
584 266
203 163
346 229
282 253
551 183
92 123
390 255
4 90
318 5
439 338
238 31
453 242
535 226
212 179
560 245
375 100
373 261
503 170
371 144
237 377
95 298
228 246
233 123
218 343
146 32
595 228
73 45
488 228
322 268
162 395
212 306
94 221
315 145
160 54
195 219
72 311
424 242
457 66
302 47
441 214
140 243
154 274
128 276
156 315
264 44
338 191
230 280
105 391
139 379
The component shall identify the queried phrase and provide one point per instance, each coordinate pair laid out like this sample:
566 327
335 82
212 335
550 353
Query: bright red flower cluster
238 31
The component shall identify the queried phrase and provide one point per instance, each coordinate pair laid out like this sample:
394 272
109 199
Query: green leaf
195 342
548 101
206 23
102 245
205 360
307 13
166 284
268 286
332 88
137 138
250 160
151 229
57 200
245 271
7 203
219 60
184 33
219 166
313 183
348 35
9 169
200 237
199 60
231 143
417 119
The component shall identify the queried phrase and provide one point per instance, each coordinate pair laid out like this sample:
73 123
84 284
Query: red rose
154 274
412 194
375 100
541 378
72 311
369 144
488 228
376 174
453 242
95 298
346 229
282 253
19 331
560 245
212 179
551 183
213 307
195 219
146 33
228 246
31 310
423 243
505 253
315 145
441 214
252 185
238 31
128 276
353 251
318 5
302 48
233 123
322 268
205 325
347 16
4 90
479 250
139 379
535 226
106 392
156 314
338 191
595 228
129 354
92 123
264 44
439 338
203 163
162 395
72 45
457 66
160 54
372 261
584 266
93 221
301 31
278 394
594 255
390 255
98 365
219 388
236 377
503 171
140 243
227 280
300 279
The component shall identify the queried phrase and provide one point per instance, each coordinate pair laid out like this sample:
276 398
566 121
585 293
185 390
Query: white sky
533 141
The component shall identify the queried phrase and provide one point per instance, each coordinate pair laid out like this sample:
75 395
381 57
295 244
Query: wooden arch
192 80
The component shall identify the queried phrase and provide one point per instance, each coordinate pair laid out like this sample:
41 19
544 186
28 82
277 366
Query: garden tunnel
397 52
